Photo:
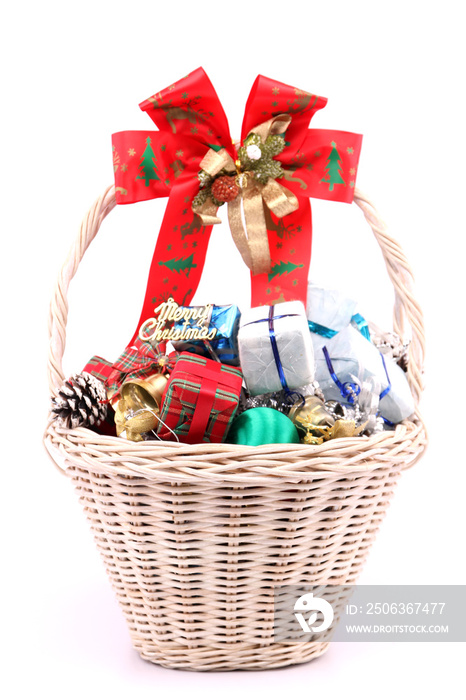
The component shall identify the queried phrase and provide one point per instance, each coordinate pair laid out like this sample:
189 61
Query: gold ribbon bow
253 244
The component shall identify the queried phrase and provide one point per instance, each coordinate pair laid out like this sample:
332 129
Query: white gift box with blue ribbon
345 357
275 348
328 312
354 360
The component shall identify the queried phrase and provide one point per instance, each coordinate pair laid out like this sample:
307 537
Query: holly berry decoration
255 157
81 402
224 188
259 157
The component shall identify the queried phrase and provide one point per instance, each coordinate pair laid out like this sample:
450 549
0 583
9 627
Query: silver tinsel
338 410
368 402
365 409
279 400
313 389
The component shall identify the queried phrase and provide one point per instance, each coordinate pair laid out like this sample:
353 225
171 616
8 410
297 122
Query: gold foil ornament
313 417
139 407
345 428
342 428
311 412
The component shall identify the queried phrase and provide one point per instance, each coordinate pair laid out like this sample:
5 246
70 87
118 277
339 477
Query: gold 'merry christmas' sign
189 323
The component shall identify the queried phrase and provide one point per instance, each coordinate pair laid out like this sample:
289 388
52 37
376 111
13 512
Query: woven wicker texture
195 537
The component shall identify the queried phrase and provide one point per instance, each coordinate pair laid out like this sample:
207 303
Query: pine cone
224 188
391 345
81 402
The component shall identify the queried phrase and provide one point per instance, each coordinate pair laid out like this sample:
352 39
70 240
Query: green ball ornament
262 426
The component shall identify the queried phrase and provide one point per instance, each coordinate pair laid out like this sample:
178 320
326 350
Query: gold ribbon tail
252 243
279 199
207 212
254 248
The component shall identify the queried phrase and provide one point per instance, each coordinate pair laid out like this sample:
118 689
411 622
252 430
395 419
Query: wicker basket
195 537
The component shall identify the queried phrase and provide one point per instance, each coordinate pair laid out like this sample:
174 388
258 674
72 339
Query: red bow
150 164
136 362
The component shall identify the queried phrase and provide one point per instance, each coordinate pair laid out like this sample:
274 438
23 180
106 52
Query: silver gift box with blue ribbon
275 348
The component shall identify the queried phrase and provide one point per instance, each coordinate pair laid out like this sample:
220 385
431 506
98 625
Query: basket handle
399 271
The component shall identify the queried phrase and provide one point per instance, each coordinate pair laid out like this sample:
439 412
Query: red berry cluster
224 188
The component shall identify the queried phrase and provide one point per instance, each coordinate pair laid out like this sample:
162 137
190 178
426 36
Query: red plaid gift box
200 400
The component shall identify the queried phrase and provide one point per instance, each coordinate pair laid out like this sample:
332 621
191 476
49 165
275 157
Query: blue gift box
225 319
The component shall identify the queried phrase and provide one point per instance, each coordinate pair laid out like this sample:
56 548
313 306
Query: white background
74 73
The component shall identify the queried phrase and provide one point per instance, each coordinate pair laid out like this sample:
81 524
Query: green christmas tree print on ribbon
281 268
148 168
333 168
180 264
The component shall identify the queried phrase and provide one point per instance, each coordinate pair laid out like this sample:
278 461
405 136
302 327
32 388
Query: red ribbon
205 402
150 164
136 362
